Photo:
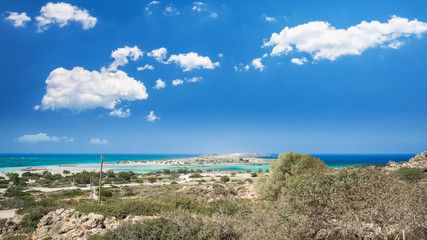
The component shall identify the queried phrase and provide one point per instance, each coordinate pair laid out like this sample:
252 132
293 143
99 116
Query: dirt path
10 213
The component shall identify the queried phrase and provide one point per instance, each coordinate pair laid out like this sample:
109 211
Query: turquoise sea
13 162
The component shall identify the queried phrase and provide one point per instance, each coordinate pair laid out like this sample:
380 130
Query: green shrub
182 226
15 192
172 183
225 179
152 179
196 176
285 166
66 172
126 175
254 174
110 173
105 193
82 178
410 174
72 193
166 171
121 209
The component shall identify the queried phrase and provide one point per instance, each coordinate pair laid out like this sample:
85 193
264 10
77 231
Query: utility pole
100 181
91 189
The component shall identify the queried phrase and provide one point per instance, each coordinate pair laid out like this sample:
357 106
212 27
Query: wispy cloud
43 137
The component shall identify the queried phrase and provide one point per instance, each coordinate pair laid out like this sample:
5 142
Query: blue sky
257 76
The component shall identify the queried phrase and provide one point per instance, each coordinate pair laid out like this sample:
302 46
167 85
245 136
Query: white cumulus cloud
120 113
79 89
121 55
98 141
199 7
63 13
299 61
18 19
177 82
270 19
151 117
192 60
147 66
158 54
160 84
42 137
324 41
257 64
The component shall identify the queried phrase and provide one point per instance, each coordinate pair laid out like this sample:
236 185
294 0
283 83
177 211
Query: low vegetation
298 198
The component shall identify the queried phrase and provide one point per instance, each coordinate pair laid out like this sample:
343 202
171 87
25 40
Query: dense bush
410 174
126 175
82 178
287 165
15 192
196 175
352 197
225 179
182 226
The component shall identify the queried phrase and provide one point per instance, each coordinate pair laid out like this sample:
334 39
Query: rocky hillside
419 161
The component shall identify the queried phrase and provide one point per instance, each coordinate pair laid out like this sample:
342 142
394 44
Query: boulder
70 224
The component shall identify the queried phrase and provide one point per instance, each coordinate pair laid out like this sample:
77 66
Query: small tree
287 165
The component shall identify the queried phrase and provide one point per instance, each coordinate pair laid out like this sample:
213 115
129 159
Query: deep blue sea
18 161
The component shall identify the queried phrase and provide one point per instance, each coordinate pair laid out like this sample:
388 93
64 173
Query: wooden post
100 181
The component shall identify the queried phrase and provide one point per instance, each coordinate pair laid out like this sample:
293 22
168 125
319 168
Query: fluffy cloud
79 89
121 55
324 41
192 60
158 54
213 15
62 13
170 10
257 64
220 55
18 19
98 141
42 137
120 113
299 61
147 66
177 82
151 117
160 84
270 19
199 7
194 79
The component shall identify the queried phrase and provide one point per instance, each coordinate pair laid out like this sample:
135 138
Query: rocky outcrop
419 161
11 225
69 224
419 158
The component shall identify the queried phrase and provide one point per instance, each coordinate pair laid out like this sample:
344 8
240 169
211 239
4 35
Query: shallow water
15 162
